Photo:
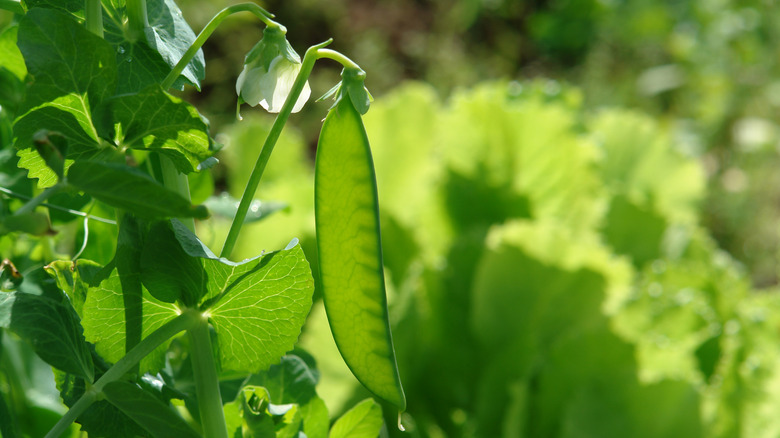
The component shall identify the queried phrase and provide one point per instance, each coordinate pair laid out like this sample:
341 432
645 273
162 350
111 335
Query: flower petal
303 98
251 89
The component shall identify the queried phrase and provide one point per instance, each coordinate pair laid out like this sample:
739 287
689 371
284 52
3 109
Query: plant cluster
87 113
549 274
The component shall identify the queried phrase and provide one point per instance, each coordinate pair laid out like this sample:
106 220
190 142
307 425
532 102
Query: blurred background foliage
579 206
706 70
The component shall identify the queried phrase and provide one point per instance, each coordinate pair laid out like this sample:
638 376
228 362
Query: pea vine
92 120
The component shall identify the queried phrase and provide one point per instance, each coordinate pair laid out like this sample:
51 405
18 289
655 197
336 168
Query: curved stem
261 13
338 57
186 321
262 160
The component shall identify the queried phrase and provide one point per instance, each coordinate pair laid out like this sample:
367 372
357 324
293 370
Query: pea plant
86 103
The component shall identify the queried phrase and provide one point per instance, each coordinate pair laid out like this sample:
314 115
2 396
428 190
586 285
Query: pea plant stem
212 417
338 57
268 146
177 182
94 17
185 321
261 13
137 17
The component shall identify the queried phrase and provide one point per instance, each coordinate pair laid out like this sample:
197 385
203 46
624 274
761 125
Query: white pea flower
269 72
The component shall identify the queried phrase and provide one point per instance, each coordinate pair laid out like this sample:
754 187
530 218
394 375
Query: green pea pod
350 253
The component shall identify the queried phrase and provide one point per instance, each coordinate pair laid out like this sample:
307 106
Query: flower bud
352 86
270 69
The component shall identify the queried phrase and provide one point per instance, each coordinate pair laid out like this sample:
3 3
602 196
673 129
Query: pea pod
350 252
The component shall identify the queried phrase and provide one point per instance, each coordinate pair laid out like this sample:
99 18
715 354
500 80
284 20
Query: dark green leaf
75 7
75 128
12 5
143 63
101 419
69 200
155 120
130 240
9 427
33 223
51 327
226 206
65 59
171 36
11 90
6 136
130 189
147 410
167 271
73 71
293 382
290 381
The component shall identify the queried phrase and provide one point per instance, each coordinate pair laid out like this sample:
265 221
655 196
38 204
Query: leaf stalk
204 35
137 18
186 321
94 17
212 417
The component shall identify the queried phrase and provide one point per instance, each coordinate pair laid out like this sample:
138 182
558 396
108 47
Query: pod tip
400 426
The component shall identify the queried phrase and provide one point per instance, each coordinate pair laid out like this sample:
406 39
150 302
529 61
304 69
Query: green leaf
74 278
167 271
9 427
641 163
73 71
127 188
364 420
293 382
171 36
101 419
65 59
12 91
51 327
147 410
634 230
52 147
258 306
155 120
12 5
143 63
226 206
75 7
350 253
104 321
130 240
34 223
10 56
290 381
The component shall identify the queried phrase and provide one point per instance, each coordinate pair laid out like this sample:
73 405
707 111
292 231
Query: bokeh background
579 206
